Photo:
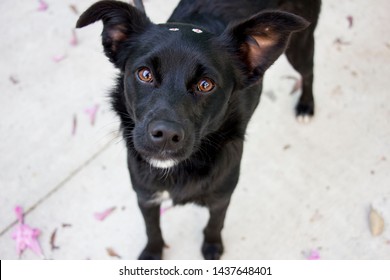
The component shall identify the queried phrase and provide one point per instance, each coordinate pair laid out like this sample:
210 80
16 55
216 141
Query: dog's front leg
155 244
212 247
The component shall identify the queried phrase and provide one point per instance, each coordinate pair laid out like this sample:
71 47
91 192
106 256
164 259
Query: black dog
187 90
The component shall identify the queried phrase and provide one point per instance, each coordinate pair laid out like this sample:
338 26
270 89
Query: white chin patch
163 164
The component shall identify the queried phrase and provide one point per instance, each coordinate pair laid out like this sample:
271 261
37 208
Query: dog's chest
160 197
180 195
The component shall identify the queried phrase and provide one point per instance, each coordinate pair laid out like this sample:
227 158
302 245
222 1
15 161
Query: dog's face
178 83
179 79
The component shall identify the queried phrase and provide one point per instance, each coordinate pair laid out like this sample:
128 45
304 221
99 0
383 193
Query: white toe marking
304 119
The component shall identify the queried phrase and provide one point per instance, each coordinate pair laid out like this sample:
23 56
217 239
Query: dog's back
217 14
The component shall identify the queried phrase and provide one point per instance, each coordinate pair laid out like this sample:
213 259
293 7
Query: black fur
165 115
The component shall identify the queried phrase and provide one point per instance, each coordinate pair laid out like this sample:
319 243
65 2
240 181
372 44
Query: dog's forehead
187 32
179 44
179 49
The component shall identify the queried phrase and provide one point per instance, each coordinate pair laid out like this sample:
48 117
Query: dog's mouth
162 163
162 159
163 144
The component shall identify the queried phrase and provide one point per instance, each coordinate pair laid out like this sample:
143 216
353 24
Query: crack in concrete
59 185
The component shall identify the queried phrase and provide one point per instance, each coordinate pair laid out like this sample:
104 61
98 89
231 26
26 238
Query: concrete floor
303 188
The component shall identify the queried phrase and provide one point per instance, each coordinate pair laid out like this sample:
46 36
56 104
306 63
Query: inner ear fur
261 39
121 21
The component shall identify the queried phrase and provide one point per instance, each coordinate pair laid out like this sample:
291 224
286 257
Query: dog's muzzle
167 137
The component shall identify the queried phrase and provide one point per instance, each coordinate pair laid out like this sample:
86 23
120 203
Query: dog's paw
148 255
304 112
212 251
304 118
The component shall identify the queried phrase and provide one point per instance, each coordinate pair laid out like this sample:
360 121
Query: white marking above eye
174 29
196 30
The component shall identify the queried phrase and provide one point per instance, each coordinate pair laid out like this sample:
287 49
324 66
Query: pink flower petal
25 236
43 6
164 210
297 85
58 58
91 112
74 9
74 40
341 42
350 21
19 214
102 215
314 255
14 80
74 125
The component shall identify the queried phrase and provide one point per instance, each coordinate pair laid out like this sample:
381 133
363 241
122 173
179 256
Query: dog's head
179 80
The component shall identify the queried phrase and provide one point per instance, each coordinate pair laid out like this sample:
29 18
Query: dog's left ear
121 22
260 40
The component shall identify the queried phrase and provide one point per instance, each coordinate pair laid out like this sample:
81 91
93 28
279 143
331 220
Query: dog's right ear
121 22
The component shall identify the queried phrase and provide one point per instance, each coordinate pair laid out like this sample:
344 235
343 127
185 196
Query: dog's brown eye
145 75
205 85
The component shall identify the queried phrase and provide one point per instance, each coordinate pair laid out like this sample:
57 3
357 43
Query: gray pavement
304 187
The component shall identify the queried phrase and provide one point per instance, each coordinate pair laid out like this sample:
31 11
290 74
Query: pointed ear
260 40
121 22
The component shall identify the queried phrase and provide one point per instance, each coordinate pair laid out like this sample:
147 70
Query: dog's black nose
166 135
